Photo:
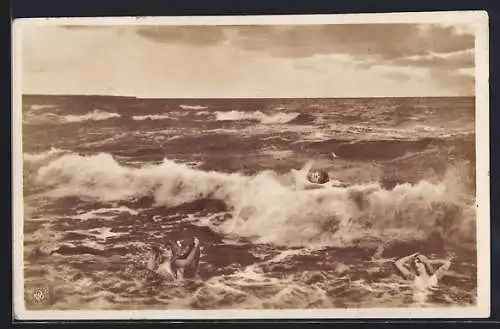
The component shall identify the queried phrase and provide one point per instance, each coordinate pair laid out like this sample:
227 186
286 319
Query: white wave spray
192 107
95 115
52 118
264 118
37 157
269 208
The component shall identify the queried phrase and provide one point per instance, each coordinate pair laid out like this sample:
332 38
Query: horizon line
248 97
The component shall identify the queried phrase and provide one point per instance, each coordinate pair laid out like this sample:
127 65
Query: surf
52 118
269 207
276 118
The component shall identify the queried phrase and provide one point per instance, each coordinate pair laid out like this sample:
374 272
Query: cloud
249 61
85 27
382 41
456 60
439 51
186 35
434 47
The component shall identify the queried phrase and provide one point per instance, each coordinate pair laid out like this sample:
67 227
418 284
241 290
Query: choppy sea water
106 177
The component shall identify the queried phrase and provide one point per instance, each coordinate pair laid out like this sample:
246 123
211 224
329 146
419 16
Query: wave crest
259 116
95 115
37 157
51 118
269 208
101 177
192 107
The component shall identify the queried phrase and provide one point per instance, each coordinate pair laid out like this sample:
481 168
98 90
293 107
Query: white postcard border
477 18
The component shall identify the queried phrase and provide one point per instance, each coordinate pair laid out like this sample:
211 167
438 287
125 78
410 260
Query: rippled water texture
106 177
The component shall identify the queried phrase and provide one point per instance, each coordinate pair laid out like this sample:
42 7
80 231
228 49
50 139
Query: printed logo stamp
38 296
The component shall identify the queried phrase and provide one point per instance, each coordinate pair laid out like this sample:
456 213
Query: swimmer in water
318 177
422 275
176 263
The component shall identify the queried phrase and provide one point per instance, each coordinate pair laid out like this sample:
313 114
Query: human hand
451 257
196 241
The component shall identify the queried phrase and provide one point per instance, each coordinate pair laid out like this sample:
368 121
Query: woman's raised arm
189 259
400 265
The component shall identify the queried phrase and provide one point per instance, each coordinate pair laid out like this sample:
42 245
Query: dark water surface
105 177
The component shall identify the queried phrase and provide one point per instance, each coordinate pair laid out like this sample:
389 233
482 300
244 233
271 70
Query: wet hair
176 254
156 253
427 267
175 248
318 176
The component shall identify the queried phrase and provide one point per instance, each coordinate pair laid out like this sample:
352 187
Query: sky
204 61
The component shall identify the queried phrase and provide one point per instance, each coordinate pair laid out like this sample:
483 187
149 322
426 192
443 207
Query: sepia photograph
251 167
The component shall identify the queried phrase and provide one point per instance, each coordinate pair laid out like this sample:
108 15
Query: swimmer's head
318 176
421 266
154 257
174 248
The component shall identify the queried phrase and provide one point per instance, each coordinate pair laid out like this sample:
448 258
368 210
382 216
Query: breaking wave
259 116
37 157
303 119
272 208
95 115
37 107
192 107
51 118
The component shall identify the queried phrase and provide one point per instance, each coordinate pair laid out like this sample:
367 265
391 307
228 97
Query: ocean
107 177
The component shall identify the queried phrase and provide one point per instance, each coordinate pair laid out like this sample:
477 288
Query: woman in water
421 272
174 266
